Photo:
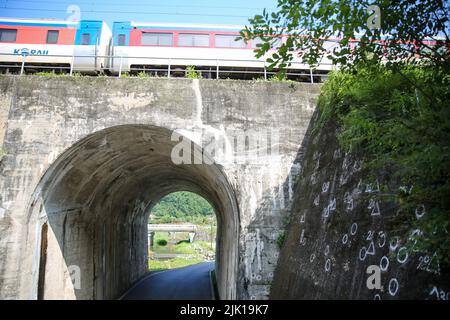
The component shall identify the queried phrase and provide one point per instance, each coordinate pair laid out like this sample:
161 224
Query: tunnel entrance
42 261
182 230
95 200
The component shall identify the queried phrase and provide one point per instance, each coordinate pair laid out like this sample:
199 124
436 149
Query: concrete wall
342 222
5 103
88 157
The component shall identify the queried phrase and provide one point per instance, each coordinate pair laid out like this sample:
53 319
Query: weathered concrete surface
88 157
341 224
5 102
187 283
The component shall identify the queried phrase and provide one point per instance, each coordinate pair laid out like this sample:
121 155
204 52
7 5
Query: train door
120 47
87 47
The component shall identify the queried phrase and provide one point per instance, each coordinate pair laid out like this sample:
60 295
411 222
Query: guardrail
172 227
217 67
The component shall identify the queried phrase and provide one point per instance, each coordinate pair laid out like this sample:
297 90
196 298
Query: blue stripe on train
27 24
121 28
186 28
93 28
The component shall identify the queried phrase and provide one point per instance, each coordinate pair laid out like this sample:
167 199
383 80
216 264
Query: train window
52 36
228 41
121 39
276 42
193 40
8 35
85 39
255 42
156 39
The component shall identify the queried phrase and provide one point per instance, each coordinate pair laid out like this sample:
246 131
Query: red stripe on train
38 35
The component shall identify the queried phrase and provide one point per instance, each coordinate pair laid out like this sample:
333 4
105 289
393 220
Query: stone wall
87 157
342 222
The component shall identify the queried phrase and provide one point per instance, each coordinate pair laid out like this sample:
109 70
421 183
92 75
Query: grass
191 73
174 244
214 284
177 243
172 263
50 74
206 245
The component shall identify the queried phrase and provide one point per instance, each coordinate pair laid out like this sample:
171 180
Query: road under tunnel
92 207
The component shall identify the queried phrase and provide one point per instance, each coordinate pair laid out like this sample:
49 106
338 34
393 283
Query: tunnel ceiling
97 196
116 166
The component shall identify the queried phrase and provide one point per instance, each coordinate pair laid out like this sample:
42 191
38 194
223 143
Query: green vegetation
191 73
279 77
138 74
51 73
172 263
185 253
178 243
162 242
214 284
387 119
181 207
142 74
280 240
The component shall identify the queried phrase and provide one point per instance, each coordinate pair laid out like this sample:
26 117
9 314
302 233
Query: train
82 46
90 46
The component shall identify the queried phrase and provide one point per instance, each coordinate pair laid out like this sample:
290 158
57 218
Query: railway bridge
83 160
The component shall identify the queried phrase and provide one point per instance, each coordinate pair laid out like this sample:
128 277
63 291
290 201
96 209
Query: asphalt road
188 283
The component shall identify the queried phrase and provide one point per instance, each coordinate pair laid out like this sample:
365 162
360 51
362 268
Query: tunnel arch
95 199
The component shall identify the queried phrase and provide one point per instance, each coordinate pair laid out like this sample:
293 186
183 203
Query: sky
235 12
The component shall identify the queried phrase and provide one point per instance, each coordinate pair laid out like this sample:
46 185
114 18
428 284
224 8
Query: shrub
162 242
191 73
400 120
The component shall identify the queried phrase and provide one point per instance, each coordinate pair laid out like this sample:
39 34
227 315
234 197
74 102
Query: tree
395 130
182 206
396 32
391 97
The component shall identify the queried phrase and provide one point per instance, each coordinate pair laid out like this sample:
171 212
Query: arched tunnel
92 206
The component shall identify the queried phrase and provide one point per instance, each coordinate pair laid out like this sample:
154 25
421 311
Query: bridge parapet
172 228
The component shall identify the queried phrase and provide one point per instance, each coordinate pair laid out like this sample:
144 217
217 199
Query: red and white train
82 45
91 47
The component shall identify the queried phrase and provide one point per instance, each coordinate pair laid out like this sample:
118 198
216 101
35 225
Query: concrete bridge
152 228
172 228
85 159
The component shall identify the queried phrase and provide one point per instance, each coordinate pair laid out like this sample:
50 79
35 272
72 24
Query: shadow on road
187 283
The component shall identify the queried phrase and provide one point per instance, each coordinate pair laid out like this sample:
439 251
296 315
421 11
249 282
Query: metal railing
172 227
168 66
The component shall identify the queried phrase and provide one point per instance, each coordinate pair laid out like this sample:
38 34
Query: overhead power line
138 4
132 12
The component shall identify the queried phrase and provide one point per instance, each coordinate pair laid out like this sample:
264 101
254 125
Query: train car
82 46
92 46
39 42
150 46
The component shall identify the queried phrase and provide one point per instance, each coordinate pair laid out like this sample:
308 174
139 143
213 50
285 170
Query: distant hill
182 206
